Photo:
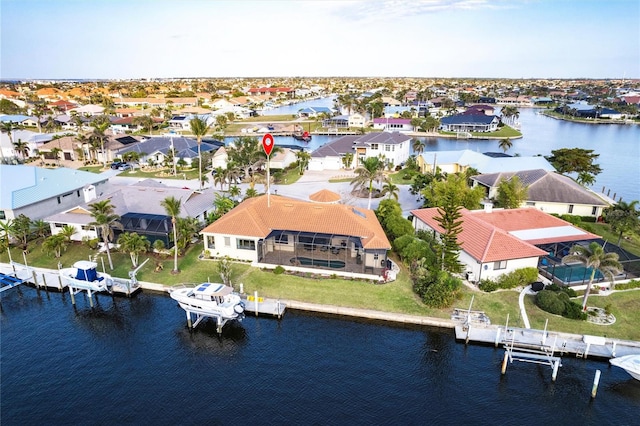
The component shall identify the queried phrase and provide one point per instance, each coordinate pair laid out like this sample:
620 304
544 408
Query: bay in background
618 145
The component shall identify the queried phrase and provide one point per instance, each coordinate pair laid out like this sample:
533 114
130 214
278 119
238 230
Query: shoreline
393 317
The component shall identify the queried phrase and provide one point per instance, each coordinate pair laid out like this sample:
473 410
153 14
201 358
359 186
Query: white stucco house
394 147
497 241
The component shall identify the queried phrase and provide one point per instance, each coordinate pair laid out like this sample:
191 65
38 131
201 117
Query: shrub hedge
519 277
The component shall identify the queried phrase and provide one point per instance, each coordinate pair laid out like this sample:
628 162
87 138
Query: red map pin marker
267 143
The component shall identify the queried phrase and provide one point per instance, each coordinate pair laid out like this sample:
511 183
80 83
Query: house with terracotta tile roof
301 235
548 191
496 241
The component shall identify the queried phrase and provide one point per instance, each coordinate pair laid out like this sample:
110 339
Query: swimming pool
573 273
322 263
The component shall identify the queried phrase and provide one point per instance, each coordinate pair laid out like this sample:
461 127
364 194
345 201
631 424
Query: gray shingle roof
546 187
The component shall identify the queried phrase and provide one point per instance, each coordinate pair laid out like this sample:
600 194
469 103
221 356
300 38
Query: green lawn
625 306
397 296
631 244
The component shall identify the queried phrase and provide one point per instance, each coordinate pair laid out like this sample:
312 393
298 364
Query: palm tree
41 228
370 170
145 121
7 127
105 219
68 231
99 137
172 206
390 189
597 259
55 152
234 191
134 244
199 127
418 146
22 148
55 245
303 160
250 193
505 144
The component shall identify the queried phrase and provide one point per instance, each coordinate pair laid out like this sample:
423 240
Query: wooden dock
580 346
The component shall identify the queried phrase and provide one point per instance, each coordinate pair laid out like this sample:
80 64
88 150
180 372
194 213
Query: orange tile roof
325 196
482 240
253 218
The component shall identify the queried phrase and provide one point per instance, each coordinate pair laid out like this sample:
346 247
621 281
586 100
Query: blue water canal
133 361
617 145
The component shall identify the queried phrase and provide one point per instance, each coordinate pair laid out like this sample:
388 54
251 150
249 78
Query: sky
116 39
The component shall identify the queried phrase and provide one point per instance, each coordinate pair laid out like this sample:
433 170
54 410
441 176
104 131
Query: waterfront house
402 125
469 123
495 241
459 161
157 148
274 230
314 111
395 148
140 210
37 192
547 191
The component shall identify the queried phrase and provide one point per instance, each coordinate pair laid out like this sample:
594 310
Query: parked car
116 165
124 166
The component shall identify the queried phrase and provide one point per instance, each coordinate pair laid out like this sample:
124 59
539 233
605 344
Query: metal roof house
37 192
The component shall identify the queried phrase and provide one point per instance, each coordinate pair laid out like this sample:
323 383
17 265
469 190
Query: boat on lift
84 275
212 300
629 363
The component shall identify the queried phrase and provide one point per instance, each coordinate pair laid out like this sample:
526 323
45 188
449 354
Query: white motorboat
629 363
213 300
84 275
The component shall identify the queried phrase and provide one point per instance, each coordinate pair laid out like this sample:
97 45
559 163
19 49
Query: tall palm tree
303 160
505 144
597 259
105 219
371 169
418 146
98 135
172 206
199 127
7 127
22 148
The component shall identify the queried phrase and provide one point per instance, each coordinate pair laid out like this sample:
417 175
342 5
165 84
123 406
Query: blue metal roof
24 185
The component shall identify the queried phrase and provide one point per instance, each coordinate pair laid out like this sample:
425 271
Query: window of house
87 228
374 146
570 208
227 241
246 244
502 264
387 148
59 200
2 215
211 242
594 210
283 239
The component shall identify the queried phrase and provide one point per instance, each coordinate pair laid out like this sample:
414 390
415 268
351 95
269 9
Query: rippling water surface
133 361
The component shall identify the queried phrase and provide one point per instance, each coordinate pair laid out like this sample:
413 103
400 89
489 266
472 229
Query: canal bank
578 345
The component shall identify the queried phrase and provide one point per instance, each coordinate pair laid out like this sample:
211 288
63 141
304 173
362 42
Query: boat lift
527 352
